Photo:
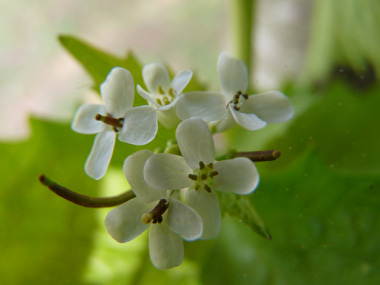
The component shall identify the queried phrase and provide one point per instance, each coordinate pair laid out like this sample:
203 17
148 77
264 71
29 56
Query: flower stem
263 155
86 201
242 12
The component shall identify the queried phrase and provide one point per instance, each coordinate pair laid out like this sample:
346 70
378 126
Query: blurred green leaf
44 239
323 222
242 209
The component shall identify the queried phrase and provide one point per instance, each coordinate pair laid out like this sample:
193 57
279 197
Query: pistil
155 216
116 123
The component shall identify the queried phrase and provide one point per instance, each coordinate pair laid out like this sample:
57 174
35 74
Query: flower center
116 123
164 98
203 176
236 103
155 216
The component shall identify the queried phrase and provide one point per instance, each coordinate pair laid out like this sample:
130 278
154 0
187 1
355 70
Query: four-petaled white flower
169 219
136 126
198 170
163 94
233 105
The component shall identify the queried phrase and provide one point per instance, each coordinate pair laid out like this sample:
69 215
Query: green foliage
241 208
44 239
323 222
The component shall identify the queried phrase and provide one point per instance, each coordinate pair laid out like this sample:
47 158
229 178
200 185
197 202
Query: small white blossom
169 219
233 104
163 94
200 173
136 126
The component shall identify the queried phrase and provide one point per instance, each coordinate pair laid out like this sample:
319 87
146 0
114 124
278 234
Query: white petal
100 156
84 120
226 123
272 107
167 115
195 142
183 220
181 80
165 247
247 121
206 204
118 92
167 172
156 75
147 96
134 172
233 75
238 175
139 126
124 223
210 106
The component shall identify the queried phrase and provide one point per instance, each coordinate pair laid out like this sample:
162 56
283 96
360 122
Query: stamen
110 121
210 165
207 188
201 165
171 92
159 101
160 90
166 100
245 96
193 177
213 173
155 216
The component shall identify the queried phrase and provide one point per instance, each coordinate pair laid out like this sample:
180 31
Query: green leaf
324 225
241 208
44 239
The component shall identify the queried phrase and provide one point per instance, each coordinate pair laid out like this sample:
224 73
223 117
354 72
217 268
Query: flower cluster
175 193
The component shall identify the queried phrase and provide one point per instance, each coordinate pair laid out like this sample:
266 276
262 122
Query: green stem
86 201
255 156
242 15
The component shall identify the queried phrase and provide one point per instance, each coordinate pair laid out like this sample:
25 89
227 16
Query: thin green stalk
241 19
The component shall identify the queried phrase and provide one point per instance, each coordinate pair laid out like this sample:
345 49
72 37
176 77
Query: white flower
198 170
233 105
169 219
163 94
136 126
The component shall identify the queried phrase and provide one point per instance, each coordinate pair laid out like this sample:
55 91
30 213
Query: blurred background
319 200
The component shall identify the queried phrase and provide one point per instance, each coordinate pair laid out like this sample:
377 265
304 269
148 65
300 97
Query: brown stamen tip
204 176
201 165
98 117
207 188
213 173
193 177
